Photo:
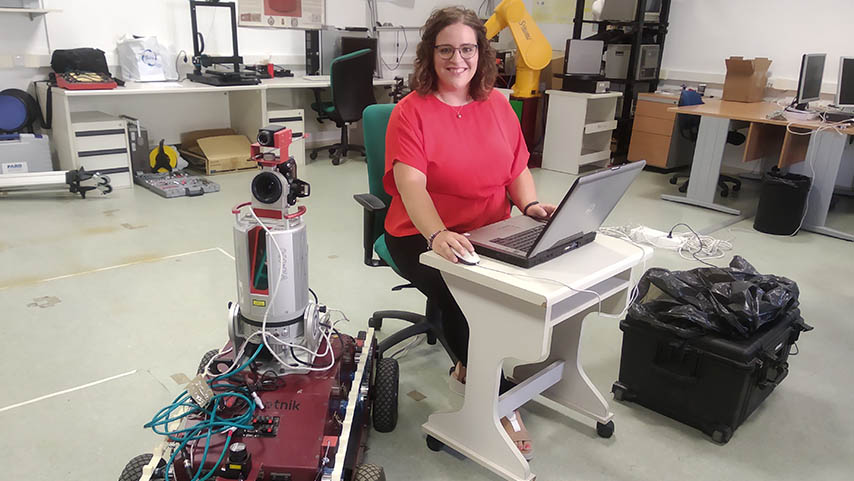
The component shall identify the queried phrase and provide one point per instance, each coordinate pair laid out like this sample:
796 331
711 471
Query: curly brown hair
425 80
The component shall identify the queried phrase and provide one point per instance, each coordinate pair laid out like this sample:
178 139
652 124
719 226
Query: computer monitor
583 57
809 82
354 44
845 86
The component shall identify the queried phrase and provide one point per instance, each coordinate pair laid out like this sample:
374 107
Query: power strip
656 238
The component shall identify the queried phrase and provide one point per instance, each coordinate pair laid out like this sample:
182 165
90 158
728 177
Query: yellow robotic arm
533 52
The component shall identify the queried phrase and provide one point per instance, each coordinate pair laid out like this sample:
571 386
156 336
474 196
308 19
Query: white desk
538 323
247 104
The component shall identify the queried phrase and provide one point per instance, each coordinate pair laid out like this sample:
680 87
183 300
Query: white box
293 119
22 153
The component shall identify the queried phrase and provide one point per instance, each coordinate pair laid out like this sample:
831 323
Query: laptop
527 242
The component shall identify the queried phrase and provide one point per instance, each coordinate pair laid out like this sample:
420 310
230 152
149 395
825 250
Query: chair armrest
370 202
373 207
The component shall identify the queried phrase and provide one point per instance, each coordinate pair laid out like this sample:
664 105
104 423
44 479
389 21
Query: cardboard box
217 150
547 79
746 79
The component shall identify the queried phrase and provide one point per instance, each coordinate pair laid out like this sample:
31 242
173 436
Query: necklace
457 108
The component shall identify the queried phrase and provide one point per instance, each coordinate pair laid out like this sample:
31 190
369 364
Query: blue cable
212 425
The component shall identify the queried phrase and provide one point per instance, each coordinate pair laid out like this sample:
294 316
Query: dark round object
674 180
683 188
265 138
368 472
18 111
605 430
133 469
205 360
336 160
385 395
724 192
267 187
237 453
782 201
736 187
313 155
434 444
376 323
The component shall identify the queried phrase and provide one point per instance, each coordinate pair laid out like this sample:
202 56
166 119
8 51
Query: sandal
454 384
518 434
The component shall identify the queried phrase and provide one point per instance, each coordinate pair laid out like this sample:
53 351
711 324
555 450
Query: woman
454 153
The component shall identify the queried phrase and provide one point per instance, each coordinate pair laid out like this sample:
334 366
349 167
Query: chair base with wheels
722 183
429 324
340 149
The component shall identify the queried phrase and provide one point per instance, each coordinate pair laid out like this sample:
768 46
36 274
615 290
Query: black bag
79 60
733 302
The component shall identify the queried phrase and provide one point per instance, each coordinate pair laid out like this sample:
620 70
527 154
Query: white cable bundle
689 245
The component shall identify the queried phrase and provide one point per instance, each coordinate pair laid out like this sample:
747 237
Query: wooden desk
821 150
537 322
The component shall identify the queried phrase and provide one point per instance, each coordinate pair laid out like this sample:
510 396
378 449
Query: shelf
595 127
625 24
590 156
33 12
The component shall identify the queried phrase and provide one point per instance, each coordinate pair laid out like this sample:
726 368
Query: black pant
405 252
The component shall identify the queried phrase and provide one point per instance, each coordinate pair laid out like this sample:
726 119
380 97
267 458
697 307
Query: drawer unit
652 131
293 119
100 144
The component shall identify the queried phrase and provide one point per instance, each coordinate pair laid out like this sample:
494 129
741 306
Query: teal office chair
352 87
375 204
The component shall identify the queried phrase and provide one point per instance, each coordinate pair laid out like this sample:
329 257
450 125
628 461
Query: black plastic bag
733 302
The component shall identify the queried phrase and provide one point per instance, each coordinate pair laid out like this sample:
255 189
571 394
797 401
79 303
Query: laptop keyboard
521 240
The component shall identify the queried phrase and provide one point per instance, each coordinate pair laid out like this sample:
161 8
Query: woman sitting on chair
454 154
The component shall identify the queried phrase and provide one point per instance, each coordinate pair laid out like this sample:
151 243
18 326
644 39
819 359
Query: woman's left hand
541 211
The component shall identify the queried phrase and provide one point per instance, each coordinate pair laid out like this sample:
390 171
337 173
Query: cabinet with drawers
99 143
293 119
652 132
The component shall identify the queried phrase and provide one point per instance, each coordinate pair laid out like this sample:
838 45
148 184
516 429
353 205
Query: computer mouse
468 258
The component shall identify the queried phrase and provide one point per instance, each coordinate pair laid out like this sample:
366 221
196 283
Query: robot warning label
259 303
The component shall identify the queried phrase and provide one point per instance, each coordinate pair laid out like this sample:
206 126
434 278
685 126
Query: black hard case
707 382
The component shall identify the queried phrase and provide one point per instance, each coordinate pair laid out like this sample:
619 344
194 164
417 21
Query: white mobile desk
538 323
247 104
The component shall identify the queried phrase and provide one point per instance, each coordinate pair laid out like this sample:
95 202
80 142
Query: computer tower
617 61
647 68
312 52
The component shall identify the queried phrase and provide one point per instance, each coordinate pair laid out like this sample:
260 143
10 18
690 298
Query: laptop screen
588 202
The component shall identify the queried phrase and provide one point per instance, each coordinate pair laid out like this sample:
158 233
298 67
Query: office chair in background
375 204
689 127
352 88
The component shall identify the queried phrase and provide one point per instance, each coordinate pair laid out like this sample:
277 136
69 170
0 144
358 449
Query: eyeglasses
467 51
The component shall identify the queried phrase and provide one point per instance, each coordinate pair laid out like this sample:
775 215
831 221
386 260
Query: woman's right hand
446 241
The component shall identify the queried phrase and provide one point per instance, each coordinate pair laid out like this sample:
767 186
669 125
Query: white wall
704 33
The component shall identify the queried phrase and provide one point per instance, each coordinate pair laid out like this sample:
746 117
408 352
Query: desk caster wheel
674 180
683 188
434 444
313 155
736 188
605 430
724 193
336 160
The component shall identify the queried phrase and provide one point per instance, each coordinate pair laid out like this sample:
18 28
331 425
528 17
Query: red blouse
469 159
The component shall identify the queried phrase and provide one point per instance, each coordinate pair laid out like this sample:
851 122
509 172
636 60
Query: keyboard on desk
521 240
317 78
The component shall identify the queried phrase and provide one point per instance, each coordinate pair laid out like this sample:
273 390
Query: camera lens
265 138
266 187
